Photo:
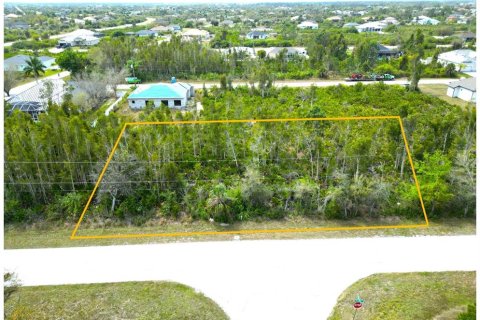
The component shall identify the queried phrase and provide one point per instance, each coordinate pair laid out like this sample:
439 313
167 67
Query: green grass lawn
408 296
440 91
48 236
47 73
127 300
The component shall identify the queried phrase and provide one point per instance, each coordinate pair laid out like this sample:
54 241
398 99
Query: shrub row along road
269 279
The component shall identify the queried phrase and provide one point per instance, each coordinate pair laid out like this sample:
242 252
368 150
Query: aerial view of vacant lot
238 159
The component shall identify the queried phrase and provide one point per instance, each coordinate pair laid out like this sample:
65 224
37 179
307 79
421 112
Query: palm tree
34 67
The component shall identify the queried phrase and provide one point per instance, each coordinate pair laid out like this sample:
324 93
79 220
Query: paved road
28 85
307 83
283 279
144 23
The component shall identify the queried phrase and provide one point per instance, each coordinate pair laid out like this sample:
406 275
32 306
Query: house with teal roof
173 95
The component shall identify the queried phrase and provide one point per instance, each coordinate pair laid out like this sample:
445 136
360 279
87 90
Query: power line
181 161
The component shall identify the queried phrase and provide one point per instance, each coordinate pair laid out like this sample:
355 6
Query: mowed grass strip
56 236
394 296
440 91
127 300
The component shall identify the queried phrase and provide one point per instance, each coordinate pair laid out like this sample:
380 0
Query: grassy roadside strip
440 91
126 300
20 237
408 296
48 73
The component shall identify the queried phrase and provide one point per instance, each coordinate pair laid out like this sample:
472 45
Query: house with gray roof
35 99
464 89
289 52
19 62
388 51
146 33
257 35
173 95
227 23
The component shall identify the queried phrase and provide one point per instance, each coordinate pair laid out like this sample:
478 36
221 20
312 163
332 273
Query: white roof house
160 29
250 52
172 95
334 19
12 16
464 89
463 59
390 20
375 26
80 37
290 52
195 34
80 41
424 20
308 25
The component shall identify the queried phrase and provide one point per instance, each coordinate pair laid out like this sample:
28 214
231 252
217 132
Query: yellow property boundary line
253 231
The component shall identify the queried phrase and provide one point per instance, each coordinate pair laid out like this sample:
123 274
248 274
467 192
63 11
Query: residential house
18 25
464 89
257 35
464 59
196 34
106 18
375 26
80 37
90 19
11 16
388 51
78 41
457 18
173 95
175 28
308 25
334 19
240 51
424 20
262 29
146 33
19 62
34 100
227 23
390 20
367 19
160 29
290 52
467 36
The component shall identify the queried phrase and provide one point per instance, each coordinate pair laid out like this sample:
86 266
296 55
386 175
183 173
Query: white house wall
451 92
465 94
141 103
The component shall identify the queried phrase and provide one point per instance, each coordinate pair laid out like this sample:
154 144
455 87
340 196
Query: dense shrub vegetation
244 171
